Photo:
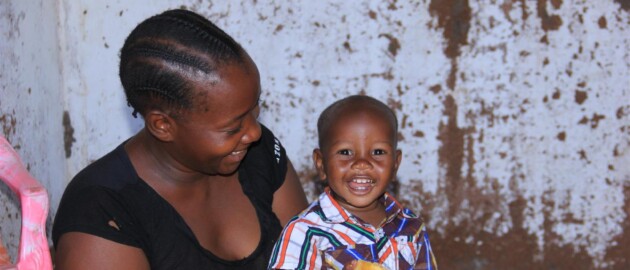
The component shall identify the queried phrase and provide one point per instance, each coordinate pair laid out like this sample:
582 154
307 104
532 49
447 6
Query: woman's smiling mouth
236 153
237 156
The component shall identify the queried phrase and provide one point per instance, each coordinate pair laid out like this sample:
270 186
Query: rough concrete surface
514 115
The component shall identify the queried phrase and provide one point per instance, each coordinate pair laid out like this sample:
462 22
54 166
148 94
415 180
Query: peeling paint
454 17
602 22
625 4
562 136
30 102
8 123
393 46
580 96
617 251
68 134
514 115
548 22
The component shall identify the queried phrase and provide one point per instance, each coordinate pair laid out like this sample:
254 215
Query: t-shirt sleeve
97 211
265 165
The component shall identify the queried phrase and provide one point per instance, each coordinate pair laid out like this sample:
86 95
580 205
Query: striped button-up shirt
326 236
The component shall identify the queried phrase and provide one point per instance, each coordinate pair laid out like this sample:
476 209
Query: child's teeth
362 181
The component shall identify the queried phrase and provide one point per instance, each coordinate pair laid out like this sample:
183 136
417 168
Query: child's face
359 157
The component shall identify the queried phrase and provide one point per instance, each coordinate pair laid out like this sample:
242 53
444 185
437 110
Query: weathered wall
31 102
515 115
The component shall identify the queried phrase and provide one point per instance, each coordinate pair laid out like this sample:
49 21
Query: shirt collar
334 213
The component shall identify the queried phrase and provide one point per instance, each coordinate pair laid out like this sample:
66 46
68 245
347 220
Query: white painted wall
514 96
31 102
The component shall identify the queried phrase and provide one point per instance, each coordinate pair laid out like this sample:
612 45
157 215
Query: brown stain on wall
555 254
580 96
8 122
394 44
524 13
562 136
625 4
603 24
594 120
622 112
435 88
466 245
464 241
556 94
451 156
548 22
617 252
68 134
454 18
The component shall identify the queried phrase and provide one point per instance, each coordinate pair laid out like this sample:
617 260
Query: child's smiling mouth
361 186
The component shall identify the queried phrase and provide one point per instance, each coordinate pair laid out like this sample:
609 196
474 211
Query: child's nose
361 163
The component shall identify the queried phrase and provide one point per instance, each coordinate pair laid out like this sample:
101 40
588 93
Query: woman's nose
253 131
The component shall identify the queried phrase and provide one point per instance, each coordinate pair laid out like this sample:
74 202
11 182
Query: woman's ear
160 125
318 160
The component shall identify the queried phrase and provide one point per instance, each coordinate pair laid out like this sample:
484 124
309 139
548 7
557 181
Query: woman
203 185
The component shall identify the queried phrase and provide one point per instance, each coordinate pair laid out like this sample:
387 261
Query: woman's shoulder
113 170
267 136
265 166
267 150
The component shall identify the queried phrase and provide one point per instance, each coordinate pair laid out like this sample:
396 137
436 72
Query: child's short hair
329 114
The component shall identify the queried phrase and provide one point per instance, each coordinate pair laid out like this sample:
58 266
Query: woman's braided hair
163 56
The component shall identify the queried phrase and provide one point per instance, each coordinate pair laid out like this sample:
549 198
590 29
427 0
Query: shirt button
378 234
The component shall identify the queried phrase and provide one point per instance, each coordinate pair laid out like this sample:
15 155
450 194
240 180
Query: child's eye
379 152
344 152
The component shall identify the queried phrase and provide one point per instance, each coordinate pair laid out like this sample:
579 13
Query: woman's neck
158 169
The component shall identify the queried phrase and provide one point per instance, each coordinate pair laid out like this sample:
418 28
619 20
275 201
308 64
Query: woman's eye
344 152
257 112
379 152
234 131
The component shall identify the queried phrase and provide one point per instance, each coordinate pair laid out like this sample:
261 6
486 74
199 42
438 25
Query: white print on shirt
276 149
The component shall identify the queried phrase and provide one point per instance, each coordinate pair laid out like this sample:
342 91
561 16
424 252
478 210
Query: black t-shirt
109 200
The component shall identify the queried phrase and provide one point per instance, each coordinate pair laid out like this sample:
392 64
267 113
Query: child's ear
318 160
398 158
160 125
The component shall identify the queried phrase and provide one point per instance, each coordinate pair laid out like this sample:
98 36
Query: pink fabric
34 252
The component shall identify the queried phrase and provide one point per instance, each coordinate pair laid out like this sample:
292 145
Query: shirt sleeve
296 248
265 167
97 211
279 159
425 258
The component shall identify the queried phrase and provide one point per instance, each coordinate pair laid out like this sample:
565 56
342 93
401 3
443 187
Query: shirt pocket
408 249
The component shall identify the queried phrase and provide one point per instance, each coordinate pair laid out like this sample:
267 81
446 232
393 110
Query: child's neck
374 214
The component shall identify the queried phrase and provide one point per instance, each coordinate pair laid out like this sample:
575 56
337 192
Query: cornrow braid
155 90
164 54
173 57
226 46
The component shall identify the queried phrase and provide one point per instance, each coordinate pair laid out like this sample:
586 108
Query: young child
355 222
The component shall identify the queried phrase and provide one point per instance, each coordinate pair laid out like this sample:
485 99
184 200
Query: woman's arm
289 199
77 250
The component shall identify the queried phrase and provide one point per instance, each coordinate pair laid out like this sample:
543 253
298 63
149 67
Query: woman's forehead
235 90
